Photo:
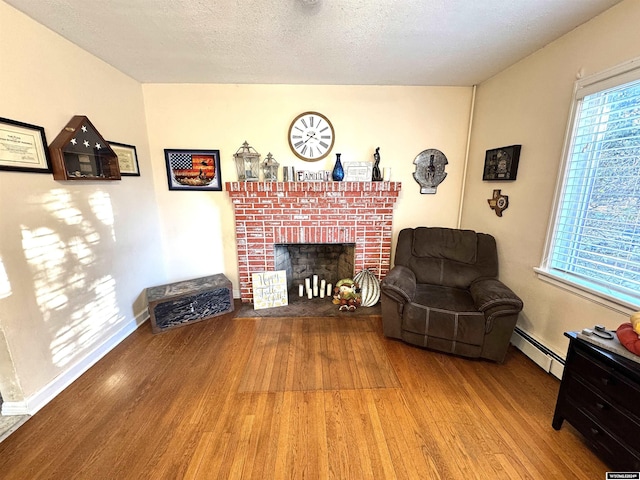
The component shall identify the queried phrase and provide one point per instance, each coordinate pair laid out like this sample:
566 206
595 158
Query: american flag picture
193 170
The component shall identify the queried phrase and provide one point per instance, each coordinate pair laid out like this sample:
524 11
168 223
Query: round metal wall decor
430 165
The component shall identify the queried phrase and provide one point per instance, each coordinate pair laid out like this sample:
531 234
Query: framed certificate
23 147
127 159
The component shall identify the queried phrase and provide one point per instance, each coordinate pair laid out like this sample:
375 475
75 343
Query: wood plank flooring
294 354
297 398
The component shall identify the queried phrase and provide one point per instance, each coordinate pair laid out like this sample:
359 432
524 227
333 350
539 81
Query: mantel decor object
357 171
79 152
430 165
247 163
501 163
376 174
338 172
270 168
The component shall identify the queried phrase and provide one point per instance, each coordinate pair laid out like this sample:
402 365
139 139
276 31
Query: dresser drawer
613 452
605 379
618 422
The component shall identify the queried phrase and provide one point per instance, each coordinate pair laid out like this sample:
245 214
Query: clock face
311 136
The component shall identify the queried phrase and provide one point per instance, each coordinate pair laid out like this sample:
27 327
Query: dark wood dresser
600 396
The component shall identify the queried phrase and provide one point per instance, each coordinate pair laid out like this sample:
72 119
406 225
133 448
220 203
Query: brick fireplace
270 213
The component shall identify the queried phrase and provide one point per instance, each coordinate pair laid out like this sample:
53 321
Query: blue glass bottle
338 171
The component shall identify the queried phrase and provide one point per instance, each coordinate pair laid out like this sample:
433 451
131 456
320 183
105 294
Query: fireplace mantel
269 213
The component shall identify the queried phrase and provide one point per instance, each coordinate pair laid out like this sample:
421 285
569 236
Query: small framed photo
502 163
193 169
127 159
358 171
23 147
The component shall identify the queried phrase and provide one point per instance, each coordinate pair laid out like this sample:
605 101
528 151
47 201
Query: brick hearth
268 213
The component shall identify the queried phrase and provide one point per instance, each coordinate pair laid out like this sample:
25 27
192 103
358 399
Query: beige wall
529 104
74 256
198 227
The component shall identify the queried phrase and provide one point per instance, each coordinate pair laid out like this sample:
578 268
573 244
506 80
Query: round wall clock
311 136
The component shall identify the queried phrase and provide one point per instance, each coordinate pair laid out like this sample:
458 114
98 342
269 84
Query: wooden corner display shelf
79 152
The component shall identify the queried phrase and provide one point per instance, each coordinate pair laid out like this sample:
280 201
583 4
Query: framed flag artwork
193 169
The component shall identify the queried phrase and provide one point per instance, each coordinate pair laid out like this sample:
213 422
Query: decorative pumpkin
369 287
629 338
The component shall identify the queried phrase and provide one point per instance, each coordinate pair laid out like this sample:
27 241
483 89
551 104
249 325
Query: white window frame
607 79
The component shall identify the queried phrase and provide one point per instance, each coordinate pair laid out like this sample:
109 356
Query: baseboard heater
545 358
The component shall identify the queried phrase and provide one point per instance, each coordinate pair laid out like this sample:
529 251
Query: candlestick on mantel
309 293
322 292
329 291
307 283
315 290
323 284
315 280
300 290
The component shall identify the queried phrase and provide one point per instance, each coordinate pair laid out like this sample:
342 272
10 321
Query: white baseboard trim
35 402
539 353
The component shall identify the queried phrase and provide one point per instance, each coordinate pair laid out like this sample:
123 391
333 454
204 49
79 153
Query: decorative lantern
270 168
247 163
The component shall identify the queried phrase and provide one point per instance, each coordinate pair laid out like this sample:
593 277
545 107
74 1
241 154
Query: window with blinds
595 237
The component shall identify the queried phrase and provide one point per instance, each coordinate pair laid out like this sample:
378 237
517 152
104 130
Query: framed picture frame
501 163
358 171
193 169
127 159
23 147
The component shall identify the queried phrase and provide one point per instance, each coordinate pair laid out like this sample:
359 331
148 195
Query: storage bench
189 301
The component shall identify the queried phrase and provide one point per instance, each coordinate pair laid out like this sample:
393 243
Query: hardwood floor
279 398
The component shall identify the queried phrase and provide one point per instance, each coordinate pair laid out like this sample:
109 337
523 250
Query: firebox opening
330 261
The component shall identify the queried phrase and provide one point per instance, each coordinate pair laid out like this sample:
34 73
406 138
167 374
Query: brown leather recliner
443 294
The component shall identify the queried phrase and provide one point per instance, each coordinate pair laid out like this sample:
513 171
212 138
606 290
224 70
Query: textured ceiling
324 42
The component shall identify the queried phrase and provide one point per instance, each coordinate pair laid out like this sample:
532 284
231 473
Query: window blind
596 241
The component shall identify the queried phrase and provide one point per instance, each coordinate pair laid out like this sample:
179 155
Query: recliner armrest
399 284
490 293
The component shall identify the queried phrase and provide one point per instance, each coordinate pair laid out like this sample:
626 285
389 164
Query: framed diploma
127 159
23 147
